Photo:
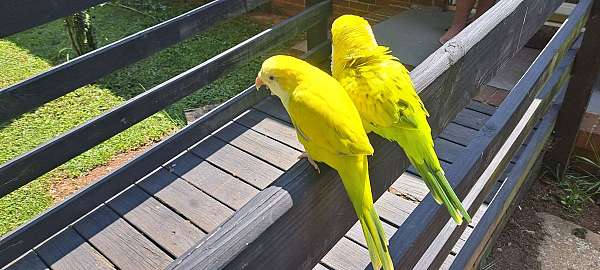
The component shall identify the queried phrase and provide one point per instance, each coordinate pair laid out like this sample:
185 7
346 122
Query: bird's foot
310 160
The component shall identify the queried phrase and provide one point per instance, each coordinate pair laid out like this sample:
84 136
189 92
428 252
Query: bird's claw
310 160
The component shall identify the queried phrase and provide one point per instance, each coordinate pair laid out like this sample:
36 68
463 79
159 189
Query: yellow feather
329 126
381 89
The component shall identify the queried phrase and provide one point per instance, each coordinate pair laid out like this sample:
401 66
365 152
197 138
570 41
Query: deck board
30 261
215 182
356 234
274 128
201 209
68 250
237 162
347 255
470 118
161 224
120 242
258 145
458 134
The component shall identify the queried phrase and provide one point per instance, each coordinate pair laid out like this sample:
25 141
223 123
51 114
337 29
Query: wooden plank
471 119
585 73
50 155
68 250
19 15
32 233
320 267
201 209
447 150
62 79
356 234
410 186
454 72
215 182
492 222
261 146
30 261
393 208
419 230
266 125
458 134
237 162
347 255
481 107
273 107
120 242
165 227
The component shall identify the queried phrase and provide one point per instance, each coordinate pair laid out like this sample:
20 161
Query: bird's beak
259 83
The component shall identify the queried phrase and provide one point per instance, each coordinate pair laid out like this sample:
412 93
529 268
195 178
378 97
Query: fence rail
27 167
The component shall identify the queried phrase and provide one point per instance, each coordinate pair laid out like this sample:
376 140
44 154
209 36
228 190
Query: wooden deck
162 215
165 213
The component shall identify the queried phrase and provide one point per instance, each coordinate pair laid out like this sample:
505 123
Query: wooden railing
14 100
295 222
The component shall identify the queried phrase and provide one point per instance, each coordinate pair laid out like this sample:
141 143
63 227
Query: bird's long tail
433 175
355 176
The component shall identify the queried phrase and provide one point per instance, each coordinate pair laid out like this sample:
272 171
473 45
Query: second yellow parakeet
330 128
380 87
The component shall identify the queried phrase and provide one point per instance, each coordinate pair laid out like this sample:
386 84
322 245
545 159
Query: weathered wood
480 189
56 218
393 208
120 242
201 209
419 230
224 187
165 227
410 185
30 261
62 79
585 72
356 234
68 250
237 162
266 125
347 255
447 150
320 267
492 221
259 145
19 15
44 158
458 134
481 107
471 119
53 220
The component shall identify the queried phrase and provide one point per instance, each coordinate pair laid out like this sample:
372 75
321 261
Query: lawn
38 49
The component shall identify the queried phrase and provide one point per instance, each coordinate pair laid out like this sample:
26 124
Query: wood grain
68 250
201 209
215 182
120 242
161 224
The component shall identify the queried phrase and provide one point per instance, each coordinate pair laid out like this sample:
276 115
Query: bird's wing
381 89
327 119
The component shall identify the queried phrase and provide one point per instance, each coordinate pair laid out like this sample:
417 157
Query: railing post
584 73
318 33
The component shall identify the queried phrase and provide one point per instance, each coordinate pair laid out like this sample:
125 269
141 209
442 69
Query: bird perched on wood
382 91
330 128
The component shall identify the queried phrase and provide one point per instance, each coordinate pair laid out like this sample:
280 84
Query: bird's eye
271 78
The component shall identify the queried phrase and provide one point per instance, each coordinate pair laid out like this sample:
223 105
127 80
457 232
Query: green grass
36 50
581 183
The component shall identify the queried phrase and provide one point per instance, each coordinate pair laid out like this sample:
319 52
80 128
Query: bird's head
352 32
281 74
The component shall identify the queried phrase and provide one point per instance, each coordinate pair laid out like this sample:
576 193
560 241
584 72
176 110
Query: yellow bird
381 89
330 128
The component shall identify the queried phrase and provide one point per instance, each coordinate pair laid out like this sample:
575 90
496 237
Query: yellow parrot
330 128
381 89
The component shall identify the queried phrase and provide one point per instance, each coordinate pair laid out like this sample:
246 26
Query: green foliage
81 32
38 49
581 183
